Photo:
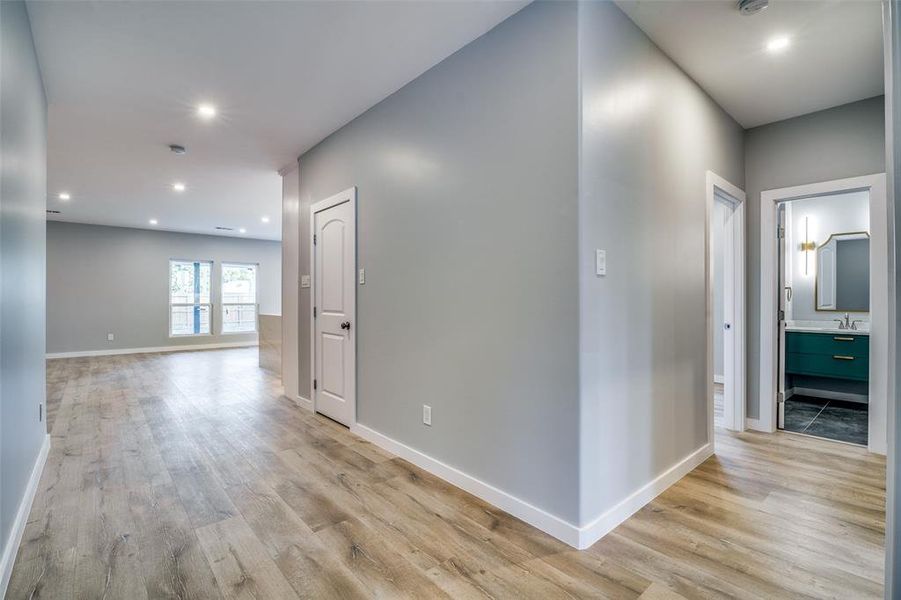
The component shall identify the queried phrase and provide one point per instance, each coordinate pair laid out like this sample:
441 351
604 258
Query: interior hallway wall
840 142
467 196
116 280
649 136
290 281
23 201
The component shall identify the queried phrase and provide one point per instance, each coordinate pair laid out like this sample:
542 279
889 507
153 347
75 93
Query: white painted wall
841 213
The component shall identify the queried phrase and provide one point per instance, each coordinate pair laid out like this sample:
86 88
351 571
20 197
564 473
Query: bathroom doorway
824 291
824 310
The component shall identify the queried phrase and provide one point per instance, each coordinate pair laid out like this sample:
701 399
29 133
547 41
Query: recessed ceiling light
242 230
777 44
64 196
265 219
153 221
178 186
206 111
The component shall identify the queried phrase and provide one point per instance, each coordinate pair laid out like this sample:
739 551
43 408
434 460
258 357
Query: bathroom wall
845 141
842 213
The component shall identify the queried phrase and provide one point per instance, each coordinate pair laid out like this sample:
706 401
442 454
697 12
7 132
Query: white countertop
834 330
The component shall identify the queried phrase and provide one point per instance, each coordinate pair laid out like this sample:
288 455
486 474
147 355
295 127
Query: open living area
439 299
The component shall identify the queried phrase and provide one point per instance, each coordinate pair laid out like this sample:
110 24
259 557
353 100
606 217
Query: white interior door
334 312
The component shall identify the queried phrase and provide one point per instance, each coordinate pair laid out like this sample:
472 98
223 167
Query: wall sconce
807 246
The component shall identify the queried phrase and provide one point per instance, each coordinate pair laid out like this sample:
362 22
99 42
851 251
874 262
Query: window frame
171 304
256 299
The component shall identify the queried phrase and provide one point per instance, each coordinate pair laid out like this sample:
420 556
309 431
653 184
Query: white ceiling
123 80
835 56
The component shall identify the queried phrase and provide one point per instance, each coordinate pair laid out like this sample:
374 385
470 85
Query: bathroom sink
813 329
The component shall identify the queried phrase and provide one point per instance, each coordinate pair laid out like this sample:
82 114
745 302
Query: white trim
607 522
152 349
577 537
348 195
755 425
18 527
879 297
304 403
734 402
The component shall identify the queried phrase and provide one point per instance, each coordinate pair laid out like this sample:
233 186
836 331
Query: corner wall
467 194
845 141
649 134
23 194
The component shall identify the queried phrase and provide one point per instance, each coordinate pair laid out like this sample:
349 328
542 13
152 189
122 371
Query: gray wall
291 276
467 180
649 135
23 193
845 141
115 279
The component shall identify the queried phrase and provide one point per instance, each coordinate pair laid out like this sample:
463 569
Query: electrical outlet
110 337
426 414
362 276
304 281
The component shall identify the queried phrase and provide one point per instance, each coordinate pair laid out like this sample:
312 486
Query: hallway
187 475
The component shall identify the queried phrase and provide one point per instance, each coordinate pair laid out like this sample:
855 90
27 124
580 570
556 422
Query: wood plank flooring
188 476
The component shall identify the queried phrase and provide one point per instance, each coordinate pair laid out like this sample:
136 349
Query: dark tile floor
831 419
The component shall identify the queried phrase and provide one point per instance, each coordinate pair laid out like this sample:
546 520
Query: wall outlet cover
304 281
426 414
362 276
110 337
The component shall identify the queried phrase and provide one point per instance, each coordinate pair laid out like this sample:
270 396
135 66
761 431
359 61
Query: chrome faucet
855 322
845 323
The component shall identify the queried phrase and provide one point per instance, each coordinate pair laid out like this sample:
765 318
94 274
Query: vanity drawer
829 344
838 365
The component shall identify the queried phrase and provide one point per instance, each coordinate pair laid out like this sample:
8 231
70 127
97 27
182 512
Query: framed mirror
843 273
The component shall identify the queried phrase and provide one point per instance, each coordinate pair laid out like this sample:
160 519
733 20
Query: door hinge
780 233
780 397
314 239
314 312
314 384
40 412
781 315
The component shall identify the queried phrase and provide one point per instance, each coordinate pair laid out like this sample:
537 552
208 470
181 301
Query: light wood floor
188 476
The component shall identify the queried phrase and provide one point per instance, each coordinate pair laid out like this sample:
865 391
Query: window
189 297
239 298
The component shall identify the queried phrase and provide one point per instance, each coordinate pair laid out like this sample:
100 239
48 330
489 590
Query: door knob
345 325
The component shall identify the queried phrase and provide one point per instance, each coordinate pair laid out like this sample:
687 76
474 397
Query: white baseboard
8 558
153 349
546 522
577 537
608 521
755 425
304 403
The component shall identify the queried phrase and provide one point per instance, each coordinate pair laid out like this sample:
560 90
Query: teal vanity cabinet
843 355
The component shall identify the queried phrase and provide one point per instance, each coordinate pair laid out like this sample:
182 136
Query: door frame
734 401
348 195
875 184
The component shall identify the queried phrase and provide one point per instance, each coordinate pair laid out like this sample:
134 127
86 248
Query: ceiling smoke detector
751 7
177 148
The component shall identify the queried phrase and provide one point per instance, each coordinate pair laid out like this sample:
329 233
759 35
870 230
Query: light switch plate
426 414
304 281
600 262
110 337
362 276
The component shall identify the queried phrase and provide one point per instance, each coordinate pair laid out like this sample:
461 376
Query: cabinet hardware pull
840 357
843 339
